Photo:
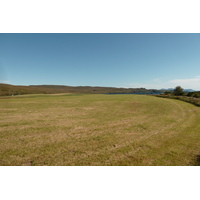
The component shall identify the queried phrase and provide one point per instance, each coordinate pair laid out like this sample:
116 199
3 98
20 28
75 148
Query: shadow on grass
197 161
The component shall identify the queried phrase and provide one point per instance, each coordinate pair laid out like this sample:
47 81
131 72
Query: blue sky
116 60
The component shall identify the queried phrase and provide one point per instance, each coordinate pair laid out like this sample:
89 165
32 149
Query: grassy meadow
95 129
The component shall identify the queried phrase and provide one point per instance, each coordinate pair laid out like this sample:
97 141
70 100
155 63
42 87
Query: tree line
179 91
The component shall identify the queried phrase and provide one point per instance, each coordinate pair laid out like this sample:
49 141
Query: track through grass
75 129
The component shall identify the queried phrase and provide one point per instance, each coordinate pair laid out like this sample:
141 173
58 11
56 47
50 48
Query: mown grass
98 130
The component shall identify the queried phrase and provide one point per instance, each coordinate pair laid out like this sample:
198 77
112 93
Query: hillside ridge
9 90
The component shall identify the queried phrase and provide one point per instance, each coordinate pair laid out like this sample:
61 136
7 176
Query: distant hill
171 89
9 90
188 90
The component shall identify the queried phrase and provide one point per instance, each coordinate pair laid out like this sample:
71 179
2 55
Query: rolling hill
9 90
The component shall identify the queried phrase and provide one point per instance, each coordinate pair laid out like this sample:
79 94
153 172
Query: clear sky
116 60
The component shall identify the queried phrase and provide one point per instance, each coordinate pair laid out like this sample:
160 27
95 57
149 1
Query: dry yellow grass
98 130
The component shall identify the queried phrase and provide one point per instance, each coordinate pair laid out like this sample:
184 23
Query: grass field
72 129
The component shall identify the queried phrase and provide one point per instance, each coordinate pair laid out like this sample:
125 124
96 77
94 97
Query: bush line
192 100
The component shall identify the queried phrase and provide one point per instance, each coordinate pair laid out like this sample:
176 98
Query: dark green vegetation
194 94
193 100
178 93
9 90
79 129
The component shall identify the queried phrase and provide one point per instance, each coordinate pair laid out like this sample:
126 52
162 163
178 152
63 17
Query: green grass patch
94 129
